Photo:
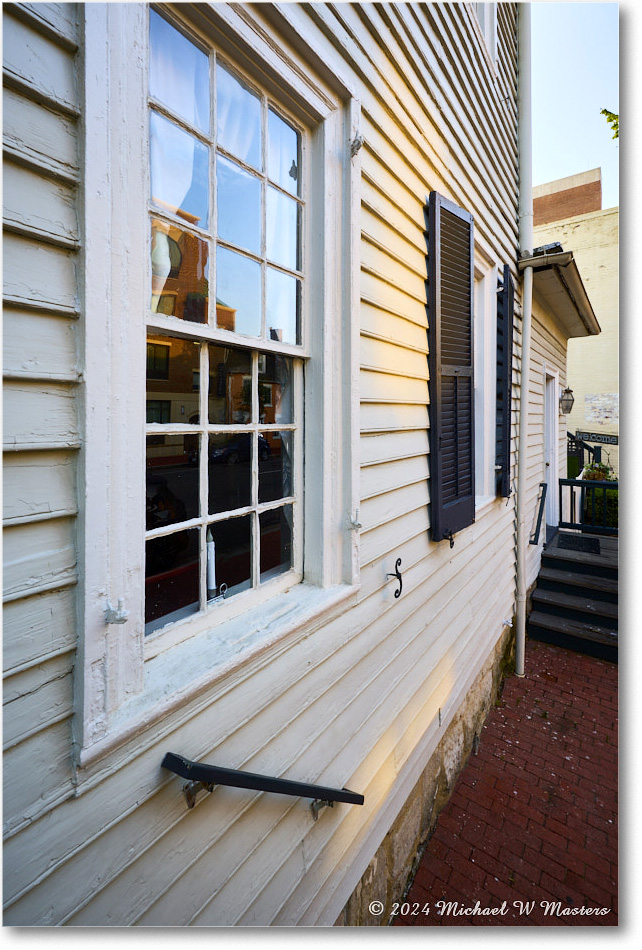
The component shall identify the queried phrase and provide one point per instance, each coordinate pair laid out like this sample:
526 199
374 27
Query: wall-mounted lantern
566 401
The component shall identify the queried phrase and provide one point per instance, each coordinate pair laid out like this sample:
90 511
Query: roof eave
557 282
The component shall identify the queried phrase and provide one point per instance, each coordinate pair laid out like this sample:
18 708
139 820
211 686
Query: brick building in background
569 211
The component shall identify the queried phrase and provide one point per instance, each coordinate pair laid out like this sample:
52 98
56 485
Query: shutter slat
505 310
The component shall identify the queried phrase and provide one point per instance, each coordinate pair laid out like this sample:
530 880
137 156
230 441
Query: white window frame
485 343
127 682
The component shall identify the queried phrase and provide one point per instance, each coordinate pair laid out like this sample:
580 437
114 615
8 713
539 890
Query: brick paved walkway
533 816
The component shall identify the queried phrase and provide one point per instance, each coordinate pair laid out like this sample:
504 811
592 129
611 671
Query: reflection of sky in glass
239 205
179 169
281 226
282 307
178 73
238 118
238 285
283 153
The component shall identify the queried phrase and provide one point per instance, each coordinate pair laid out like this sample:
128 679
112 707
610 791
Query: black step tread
573 628
557 598
608 585
607 559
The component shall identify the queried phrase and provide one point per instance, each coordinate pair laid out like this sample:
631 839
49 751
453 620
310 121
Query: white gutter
526 247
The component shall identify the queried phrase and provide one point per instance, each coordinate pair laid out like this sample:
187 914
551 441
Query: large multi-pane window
224 381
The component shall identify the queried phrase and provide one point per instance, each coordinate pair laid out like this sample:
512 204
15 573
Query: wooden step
592 583
570 628
586 607
586 564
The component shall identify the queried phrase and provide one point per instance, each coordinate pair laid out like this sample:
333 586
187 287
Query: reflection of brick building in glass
179 270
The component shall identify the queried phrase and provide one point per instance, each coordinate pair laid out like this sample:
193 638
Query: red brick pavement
533 816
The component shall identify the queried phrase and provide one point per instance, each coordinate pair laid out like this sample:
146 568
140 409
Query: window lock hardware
317 805
397 574
117 615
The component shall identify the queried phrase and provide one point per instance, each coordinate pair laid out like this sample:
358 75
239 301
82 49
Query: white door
551 449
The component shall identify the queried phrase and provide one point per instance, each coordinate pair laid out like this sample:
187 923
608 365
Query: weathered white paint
39 345
38 486
38 207
41 306
39 137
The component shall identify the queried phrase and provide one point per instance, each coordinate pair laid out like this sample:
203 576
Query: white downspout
525 247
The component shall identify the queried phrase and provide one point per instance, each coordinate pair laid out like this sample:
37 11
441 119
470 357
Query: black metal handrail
583 515
540 513
209 775
577 447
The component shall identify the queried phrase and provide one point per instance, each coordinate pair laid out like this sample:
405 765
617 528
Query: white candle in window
211 563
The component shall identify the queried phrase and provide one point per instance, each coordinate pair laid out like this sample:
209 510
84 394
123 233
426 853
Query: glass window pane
172 479
276 542
238 206
284 151
178 390
238 118
178 73
238 293
282 229
275 389
230 393
179 273
230 472
275 465
283 315
179 171
171 578
229 556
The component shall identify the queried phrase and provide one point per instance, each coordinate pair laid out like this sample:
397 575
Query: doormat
584 545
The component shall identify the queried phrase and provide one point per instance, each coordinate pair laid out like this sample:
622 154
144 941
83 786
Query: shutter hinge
449 537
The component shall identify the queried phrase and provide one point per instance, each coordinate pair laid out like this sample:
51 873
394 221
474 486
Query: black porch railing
576 452
587 505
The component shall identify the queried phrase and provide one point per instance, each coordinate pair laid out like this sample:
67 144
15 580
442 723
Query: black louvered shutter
450 364
505 307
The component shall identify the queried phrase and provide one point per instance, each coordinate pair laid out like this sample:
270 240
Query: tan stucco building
570 212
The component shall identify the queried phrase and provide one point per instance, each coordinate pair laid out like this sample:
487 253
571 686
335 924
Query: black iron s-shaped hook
397 574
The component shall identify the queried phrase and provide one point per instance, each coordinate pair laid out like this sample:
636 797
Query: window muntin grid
226 209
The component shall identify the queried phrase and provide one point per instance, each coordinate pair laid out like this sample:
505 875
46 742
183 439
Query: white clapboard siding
40 345
38 627
39 275
30 789
39 486
38 555
363 700
39 137
38 206
39 414
35 699
40 429
38 62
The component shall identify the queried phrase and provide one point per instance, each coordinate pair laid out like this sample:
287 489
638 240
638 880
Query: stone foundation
392 869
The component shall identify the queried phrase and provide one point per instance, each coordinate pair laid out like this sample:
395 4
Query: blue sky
575 75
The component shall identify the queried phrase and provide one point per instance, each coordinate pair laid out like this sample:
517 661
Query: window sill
176 677
482 502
